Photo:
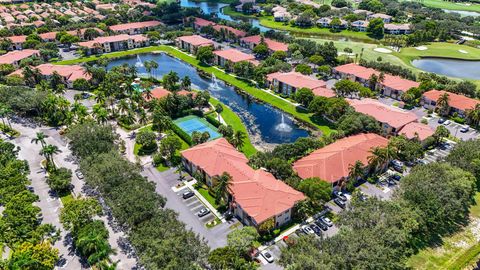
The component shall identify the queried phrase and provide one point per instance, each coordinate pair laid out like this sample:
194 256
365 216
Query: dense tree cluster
20 223
152 229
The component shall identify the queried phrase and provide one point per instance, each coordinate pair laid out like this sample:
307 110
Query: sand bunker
462 51
421 48
382 50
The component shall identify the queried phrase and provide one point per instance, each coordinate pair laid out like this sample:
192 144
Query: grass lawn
230 12
65 198
457 251
450 5
204 192
268 21
232 119
245 86
439 49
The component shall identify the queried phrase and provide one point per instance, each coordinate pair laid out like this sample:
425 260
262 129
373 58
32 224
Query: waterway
463 13
450 67
266 125
216 8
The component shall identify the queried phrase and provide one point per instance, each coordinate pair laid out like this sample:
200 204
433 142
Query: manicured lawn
268 21
456 252
440 49
204 192
450 5
229 11
232 119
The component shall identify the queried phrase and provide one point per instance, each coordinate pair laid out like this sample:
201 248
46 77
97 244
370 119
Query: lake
450 67
266 125
463 13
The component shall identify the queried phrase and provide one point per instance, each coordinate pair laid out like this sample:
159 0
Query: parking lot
194 205
454 128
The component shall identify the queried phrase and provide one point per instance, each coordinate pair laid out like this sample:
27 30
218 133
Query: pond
266 125
463 13
450 67
216 8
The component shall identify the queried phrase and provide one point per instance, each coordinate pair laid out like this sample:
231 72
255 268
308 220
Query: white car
446 123
327 221
308 230
268 256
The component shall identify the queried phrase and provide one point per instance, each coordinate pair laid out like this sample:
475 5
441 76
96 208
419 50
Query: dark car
321 224
339 202
441 120
316 229
203 212
340 195
187 195
396 177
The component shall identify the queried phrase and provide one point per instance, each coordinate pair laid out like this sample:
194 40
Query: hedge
213 120
182 134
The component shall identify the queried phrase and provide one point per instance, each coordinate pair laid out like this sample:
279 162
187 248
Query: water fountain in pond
283 127
139 62
214 84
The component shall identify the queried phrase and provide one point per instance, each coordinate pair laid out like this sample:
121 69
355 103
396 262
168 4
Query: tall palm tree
443 104
473 115
101 115
223 182
356 170
186 83
142 117
40 138
238 139
154 66
380 157
48 151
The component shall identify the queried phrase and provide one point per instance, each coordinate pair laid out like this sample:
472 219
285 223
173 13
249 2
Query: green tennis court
192 123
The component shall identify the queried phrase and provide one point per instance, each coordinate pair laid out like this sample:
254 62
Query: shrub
182 134
213 120
60 180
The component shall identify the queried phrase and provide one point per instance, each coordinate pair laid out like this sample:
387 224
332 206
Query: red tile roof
393 116
69 72
196 40
134 25
158 93
298 80
18 39
236 32
414 129
454 100
394 82
117 38
202 22
272 44
14 56
234 55
332 162
259 194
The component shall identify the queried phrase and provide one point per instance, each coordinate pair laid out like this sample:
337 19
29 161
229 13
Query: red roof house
232 55
199 23
392 118
237 33
273 45
392 86
289 82
192 43
135 27
417 130
256 194
458 103
14 57
331 163
70 73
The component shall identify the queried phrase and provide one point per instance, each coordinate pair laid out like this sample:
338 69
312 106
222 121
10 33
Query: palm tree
473 115
142 117
186 83
123 106
48 151
101 115
380 157
442 104
223 182
356 170
238 139
154 66
40 138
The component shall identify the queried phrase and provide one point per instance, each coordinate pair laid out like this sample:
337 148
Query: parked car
447 122
396 177
188 194
327 221
268 256
465 129
321 224
397 165
340 195
203 212
79 174
307 230
299 232
441 120
316 229
339 202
